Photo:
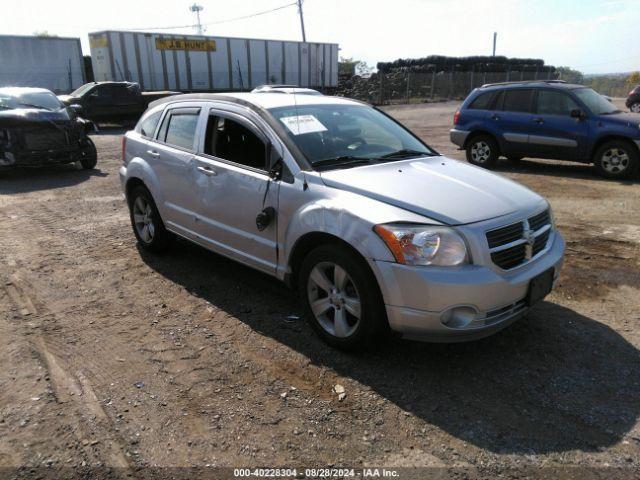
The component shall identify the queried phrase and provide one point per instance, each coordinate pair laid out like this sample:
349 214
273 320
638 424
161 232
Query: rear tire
89 153
341 298
635 107
483 151
146 221
616 159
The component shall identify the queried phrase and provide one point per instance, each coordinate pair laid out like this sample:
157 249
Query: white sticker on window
301 124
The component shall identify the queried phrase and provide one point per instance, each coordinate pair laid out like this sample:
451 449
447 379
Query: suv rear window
518 100
482 102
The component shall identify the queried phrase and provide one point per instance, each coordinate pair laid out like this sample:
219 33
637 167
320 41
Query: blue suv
547 119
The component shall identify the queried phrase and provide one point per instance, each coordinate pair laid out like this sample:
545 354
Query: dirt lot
113 357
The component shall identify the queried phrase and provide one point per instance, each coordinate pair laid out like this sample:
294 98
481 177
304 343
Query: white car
377 231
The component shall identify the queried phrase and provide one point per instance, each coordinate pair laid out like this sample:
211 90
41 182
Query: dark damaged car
36 129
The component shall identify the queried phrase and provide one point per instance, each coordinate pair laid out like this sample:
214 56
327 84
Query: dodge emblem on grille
530 240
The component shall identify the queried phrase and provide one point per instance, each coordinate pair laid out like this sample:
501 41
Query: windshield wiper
406 153
345 160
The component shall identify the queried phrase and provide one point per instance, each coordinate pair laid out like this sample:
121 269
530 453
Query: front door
233 188
554 132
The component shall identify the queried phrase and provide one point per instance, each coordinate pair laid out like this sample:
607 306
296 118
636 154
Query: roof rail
522 82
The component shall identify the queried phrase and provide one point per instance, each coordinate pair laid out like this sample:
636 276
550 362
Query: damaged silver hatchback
376 231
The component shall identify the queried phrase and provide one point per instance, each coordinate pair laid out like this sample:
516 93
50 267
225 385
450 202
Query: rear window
149 124
517 100
179 128
482 102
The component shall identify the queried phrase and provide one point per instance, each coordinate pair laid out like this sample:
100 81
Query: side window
230 140
179 128
554 103
482 102
149 124
517 100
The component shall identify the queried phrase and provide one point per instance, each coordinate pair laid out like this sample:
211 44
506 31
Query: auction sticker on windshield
301 124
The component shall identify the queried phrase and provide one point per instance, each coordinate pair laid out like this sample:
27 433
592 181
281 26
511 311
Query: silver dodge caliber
376 231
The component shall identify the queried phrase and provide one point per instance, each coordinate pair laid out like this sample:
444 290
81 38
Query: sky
594 36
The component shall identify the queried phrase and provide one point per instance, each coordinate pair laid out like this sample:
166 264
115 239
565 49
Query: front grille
46 139
517 243
538 221
508 234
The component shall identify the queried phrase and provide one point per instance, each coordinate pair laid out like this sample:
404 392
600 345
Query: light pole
304 36
195 8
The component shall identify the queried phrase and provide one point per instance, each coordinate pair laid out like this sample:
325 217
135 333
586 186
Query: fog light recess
458 317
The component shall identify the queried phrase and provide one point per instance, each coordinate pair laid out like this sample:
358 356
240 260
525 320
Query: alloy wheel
615 160
143 219
635 108
480 152
334 299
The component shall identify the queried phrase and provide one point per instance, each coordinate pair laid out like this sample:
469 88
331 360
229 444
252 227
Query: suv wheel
635 107
146 222
616 159
341 297
482 150
89 154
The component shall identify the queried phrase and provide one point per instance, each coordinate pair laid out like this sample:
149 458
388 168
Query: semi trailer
193 63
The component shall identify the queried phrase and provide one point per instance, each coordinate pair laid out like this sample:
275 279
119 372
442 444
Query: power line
244 17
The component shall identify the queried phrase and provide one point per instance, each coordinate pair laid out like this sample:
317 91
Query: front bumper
417 299
26 158
458 137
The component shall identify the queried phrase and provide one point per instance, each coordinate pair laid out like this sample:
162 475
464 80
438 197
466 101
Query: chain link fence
404 86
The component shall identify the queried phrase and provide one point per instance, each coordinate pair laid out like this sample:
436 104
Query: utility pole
304 35
195 8
495 38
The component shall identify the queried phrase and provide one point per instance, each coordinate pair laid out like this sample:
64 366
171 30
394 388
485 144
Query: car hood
27 116
624 118
439 188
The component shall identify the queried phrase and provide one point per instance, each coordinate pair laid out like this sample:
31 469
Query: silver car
377 232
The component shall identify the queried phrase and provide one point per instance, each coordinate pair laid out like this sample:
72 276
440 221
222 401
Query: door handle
207 171
153 153
538 120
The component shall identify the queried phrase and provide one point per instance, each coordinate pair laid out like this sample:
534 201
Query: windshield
82 90
39 100
595 102
347 132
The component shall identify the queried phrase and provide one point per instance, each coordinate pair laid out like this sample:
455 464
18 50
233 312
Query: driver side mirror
577 113
274 162
75 108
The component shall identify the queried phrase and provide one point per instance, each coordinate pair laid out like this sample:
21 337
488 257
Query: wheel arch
306 243
607 138
477 132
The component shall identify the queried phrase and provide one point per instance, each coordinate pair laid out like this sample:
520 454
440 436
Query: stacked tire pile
438 77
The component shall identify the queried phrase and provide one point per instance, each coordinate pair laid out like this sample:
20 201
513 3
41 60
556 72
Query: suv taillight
124 149
456 117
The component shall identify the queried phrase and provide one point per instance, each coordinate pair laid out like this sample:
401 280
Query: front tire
483 151
616 159
635 107
89 153
146 221
341 298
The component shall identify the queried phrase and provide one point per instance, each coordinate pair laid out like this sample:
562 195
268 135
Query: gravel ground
111 357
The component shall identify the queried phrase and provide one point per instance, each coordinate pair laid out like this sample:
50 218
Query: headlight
424 244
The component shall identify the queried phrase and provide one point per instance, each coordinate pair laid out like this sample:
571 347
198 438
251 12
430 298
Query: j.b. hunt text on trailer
201 63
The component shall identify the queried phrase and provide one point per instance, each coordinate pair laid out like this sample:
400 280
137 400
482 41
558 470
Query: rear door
171 155
554 133
512 117
128 100
233 187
